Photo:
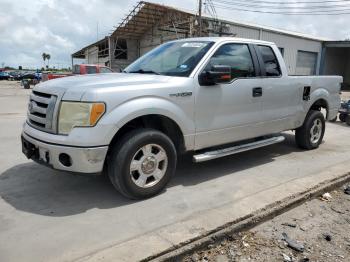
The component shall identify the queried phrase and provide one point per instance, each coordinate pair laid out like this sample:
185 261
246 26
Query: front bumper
63 157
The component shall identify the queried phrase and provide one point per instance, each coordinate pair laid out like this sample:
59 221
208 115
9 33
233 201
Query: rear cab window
91 69
269 61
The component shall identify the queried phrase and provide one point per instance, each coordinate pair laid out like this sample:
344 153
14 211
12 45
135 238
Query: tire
309 136
342 117
155 159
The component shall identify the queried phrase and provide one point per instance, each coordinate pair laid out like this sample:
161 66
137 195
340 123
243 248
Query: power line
320 12
292 3
234 3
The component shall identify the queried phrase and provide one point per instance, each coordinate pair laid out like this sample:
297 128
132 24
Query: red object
82 69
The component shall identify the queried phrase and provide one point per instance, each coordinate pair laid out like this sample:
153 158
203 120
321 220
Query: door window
272 67
237 56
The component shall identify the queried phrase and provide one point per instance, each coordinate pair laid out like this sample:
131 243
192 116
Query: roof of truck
224 39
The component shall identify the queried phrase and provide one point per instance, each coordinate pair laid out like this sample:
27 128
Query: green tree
48 57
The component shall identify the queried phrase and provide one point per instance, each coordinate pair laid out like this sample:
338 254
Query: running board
237 149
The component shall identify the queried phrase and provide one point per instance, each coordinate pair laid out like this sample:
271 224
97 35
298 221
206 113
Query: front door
229 112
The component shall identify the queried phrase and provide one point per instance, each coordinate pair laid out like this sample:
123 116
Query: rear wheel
310 134
142 163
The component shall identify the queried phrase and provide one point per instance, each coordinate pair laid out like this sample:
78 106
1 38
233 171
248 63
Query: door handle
257 91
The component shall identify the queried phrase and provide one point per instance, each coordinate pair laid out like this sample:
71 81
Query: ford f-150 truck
211 97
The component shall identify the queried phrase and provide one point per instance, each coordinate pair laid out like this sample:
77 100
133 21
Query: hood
74 87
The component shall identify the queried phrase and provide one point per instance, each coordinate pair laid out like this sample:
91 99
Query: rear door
280 98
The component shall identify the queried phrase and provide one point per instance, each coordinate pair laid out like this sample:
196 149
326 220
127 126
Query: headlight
79 114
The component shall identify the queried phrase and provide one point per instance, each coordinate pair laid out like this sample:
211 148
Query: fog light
65 159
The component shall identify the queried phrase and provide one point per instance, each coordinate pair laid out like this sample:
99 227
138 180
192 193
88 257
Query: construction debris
322 232
326 197
292 243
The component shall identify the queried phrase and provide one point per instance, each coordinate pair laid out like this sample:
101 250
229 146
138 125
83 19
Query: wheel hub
149 165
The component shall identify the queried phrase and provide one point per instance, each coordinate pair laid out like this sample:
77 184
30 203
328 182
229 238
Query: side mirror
218 74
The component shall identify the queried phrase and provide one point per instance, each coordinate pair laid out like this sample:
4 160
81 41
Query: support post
200 17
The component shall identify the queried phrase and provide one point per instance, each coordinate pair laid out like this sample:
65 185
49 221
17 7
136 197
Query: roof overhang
145 15
81 53
338 44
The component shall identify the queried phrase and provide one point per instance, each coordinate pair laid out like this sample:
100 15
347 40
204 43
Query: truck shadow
36 189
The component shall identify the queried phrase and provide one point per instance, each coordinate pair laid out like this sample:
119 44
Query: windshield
171 59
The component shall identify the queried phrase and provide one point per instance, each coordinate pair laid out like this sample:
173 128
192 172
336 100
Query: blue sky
29 28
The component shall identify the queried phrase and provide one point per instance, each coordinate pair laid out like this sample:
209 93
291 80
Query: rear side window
91 70
237 56
272 67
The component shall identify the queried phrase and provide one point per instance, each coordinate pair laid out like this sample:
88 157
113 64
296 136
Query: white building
149 25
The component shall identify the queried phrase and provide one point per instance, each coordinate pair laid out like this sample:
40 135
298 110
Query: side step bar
237 149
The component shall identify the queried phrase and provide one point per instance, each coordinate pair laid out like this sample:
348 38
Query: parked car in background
29 79
211 97
82 69
4 76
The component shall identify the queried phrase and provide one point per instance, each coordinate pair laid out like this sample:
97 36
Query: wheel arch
158 122
319 104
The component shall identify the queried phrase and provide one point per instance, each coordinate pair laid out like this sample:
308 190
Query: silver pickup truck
212 97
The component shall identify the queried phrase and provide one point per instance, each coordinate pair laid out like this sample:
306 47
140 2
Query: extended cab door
280 97
229 112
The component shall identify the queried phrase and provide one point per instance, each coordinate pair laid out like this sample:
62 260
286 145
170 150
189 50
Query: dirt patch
318 230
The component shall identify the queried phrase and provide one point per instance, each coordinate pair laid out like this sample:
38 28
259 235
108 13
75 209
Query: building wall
290 44
155 37
133 54
91 57
291 47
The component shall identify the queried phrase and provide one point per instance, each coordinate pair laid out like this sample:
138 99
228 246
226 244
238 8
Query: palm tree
44 57
48 57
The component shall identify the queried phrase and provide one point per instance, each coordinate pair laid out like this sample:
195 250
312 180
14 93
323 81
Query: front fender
142 106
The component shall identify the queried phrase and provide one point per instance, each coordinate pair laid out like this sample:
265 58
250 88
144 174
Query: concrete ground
47 215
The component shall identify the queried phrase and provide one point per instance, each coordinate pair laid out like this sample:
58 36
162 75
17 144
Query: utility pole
200 17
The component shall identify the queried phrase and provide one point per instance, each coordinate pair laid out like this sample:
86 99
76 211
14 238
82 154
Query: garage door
306 63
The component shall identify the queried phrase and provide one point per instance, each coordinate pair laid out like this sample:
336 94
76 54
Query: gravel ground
320 228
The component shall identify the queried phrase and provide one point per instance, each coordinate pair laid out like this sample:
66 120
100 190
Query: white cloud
27 29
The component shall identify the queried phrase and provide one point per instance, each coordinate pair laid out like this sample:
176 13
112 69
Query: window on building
272 67
237 56
121 49
281 50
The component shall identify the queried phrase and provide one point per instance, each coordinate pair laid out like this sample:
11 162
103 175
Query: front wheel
310 134
142 163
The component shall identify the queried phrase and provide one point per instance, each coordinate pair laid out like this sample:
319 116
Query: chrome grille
41 109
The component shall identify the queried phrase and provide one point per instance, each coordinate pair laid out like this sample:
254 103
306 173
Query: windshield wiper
141 71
